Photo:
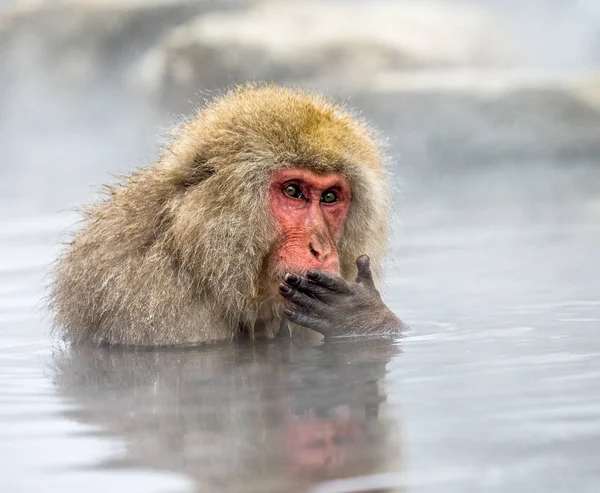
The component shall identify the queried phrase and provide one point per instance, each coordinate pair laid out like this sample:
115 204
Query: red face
310 210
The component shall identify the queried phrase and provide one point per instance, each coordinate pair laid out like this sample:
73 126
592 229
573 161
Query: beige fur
176 254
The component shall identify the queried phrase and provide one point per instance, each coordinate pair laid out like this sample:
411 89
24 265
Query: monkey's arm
334 307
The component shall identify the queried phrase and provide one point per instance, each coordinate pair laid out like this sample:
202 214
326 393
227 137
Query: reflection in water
264 417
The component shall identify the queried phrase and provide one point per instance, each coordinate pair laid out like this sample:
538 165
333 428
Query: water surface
494 388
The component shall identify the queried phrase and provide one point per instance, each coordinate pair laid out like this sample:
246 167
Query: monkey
267 214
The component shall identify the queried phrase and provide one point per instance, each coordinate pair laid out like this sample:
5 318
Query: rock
476 118
316 42
82 43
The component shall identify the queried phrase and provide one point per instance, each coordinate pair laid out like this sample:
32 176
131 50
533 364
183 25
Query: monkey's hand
334 307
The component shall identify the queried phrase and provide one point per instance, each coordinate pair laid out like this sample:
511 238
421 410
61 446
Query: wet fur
178 252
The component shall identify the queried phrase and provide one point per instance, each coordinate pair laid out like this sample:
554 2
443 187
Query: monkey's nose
320 254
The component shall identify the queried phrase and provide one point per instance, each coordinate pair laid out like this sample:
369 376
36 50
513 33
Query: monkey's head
275 180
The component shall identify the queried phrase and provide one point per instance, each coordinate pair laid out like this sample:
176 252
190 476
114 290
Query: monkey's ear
199 171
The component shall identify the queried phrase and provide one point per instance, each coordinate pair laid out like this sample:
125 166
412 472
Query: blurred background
490 111
460 90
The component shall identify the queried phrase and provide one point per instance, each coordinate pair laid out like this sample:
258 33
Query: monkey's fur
177 253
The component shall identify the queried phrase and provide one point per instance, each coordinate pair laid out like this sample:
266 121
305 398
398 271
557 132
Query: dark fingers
299 298
306 320
328 280
307 286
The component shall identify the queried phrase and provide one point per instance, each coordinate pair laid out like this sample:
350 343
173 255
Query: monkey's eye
329 197
294 191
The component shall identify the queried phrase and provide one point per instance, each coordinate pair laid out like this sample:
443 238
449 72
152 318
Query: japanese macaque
267 213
